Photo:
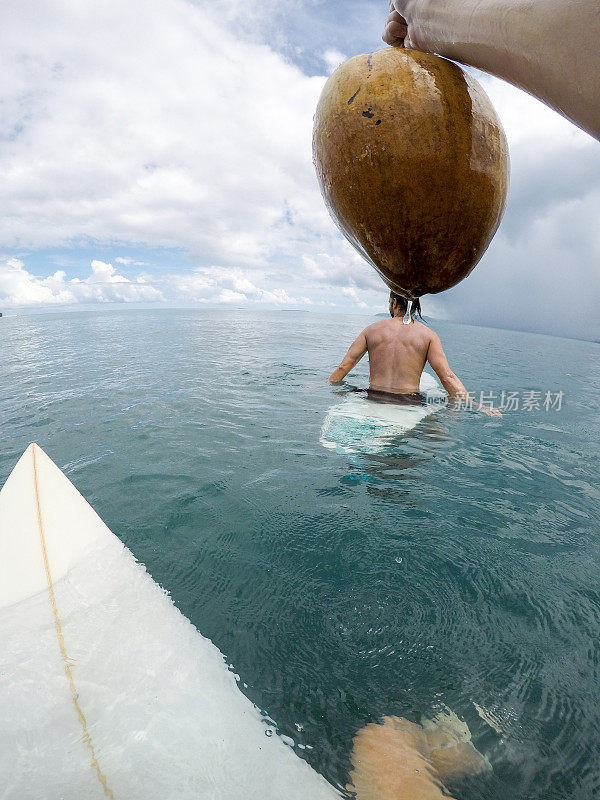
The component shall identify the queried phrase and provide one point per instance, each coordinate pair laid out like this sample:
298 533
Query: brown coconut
413 166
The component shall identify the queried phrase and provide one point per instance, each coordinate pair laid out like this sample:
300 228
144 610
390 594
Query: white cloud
227 285
350 291
127 262
159 127
167 123
333 58
342 266
546 255
19 288
227 296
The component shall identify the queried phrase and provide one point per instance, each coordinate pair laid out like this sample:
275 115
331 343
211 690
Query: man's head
398 306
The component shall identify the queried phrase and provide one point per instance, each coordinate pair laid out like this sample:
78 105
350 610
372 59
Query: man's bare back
398 353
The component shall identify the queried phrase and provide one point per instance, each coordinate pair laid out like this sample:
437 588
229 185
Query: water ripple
456 567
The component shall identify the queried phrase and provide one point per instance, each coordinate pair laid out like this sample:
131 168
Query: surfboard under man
397 356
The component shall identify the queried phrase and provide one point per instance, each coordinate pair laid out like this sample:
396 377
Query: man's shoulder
425 329
376 326
430 333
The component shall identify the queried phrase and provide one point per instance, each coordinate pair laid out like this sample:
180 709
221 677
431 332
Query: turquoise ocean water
458 567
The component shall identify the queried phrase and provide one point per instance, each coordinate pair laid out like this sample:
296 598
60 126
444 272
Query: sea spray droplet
406 319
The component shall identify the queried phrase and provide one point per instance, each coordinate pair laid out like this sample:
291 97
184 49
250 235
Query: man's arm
549 48
357 350
451 383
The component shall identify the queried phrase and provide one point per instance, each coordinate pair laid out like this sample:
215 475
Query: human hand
407 24
491 411
396 29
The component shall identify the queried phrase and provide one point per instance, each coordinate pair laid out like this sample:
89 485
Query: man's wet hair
402 304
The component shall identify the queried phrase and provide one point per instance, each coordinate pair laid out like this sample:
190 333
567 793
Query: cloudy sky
159 152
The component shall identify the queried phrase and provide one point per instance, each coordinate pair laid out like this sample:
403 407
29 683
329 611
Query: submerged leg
389 762
400 760
450 748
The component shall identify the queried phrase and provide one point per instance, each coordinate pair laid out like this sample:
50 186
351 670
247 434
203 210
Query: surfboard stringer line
61 643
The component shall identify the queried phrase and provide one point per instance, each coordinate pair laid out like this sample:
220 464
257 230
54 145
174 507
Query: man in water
397 356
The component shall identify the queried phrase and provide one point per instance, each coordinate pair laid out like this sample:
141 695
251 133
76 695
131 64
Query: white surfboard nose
41 511
106 690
